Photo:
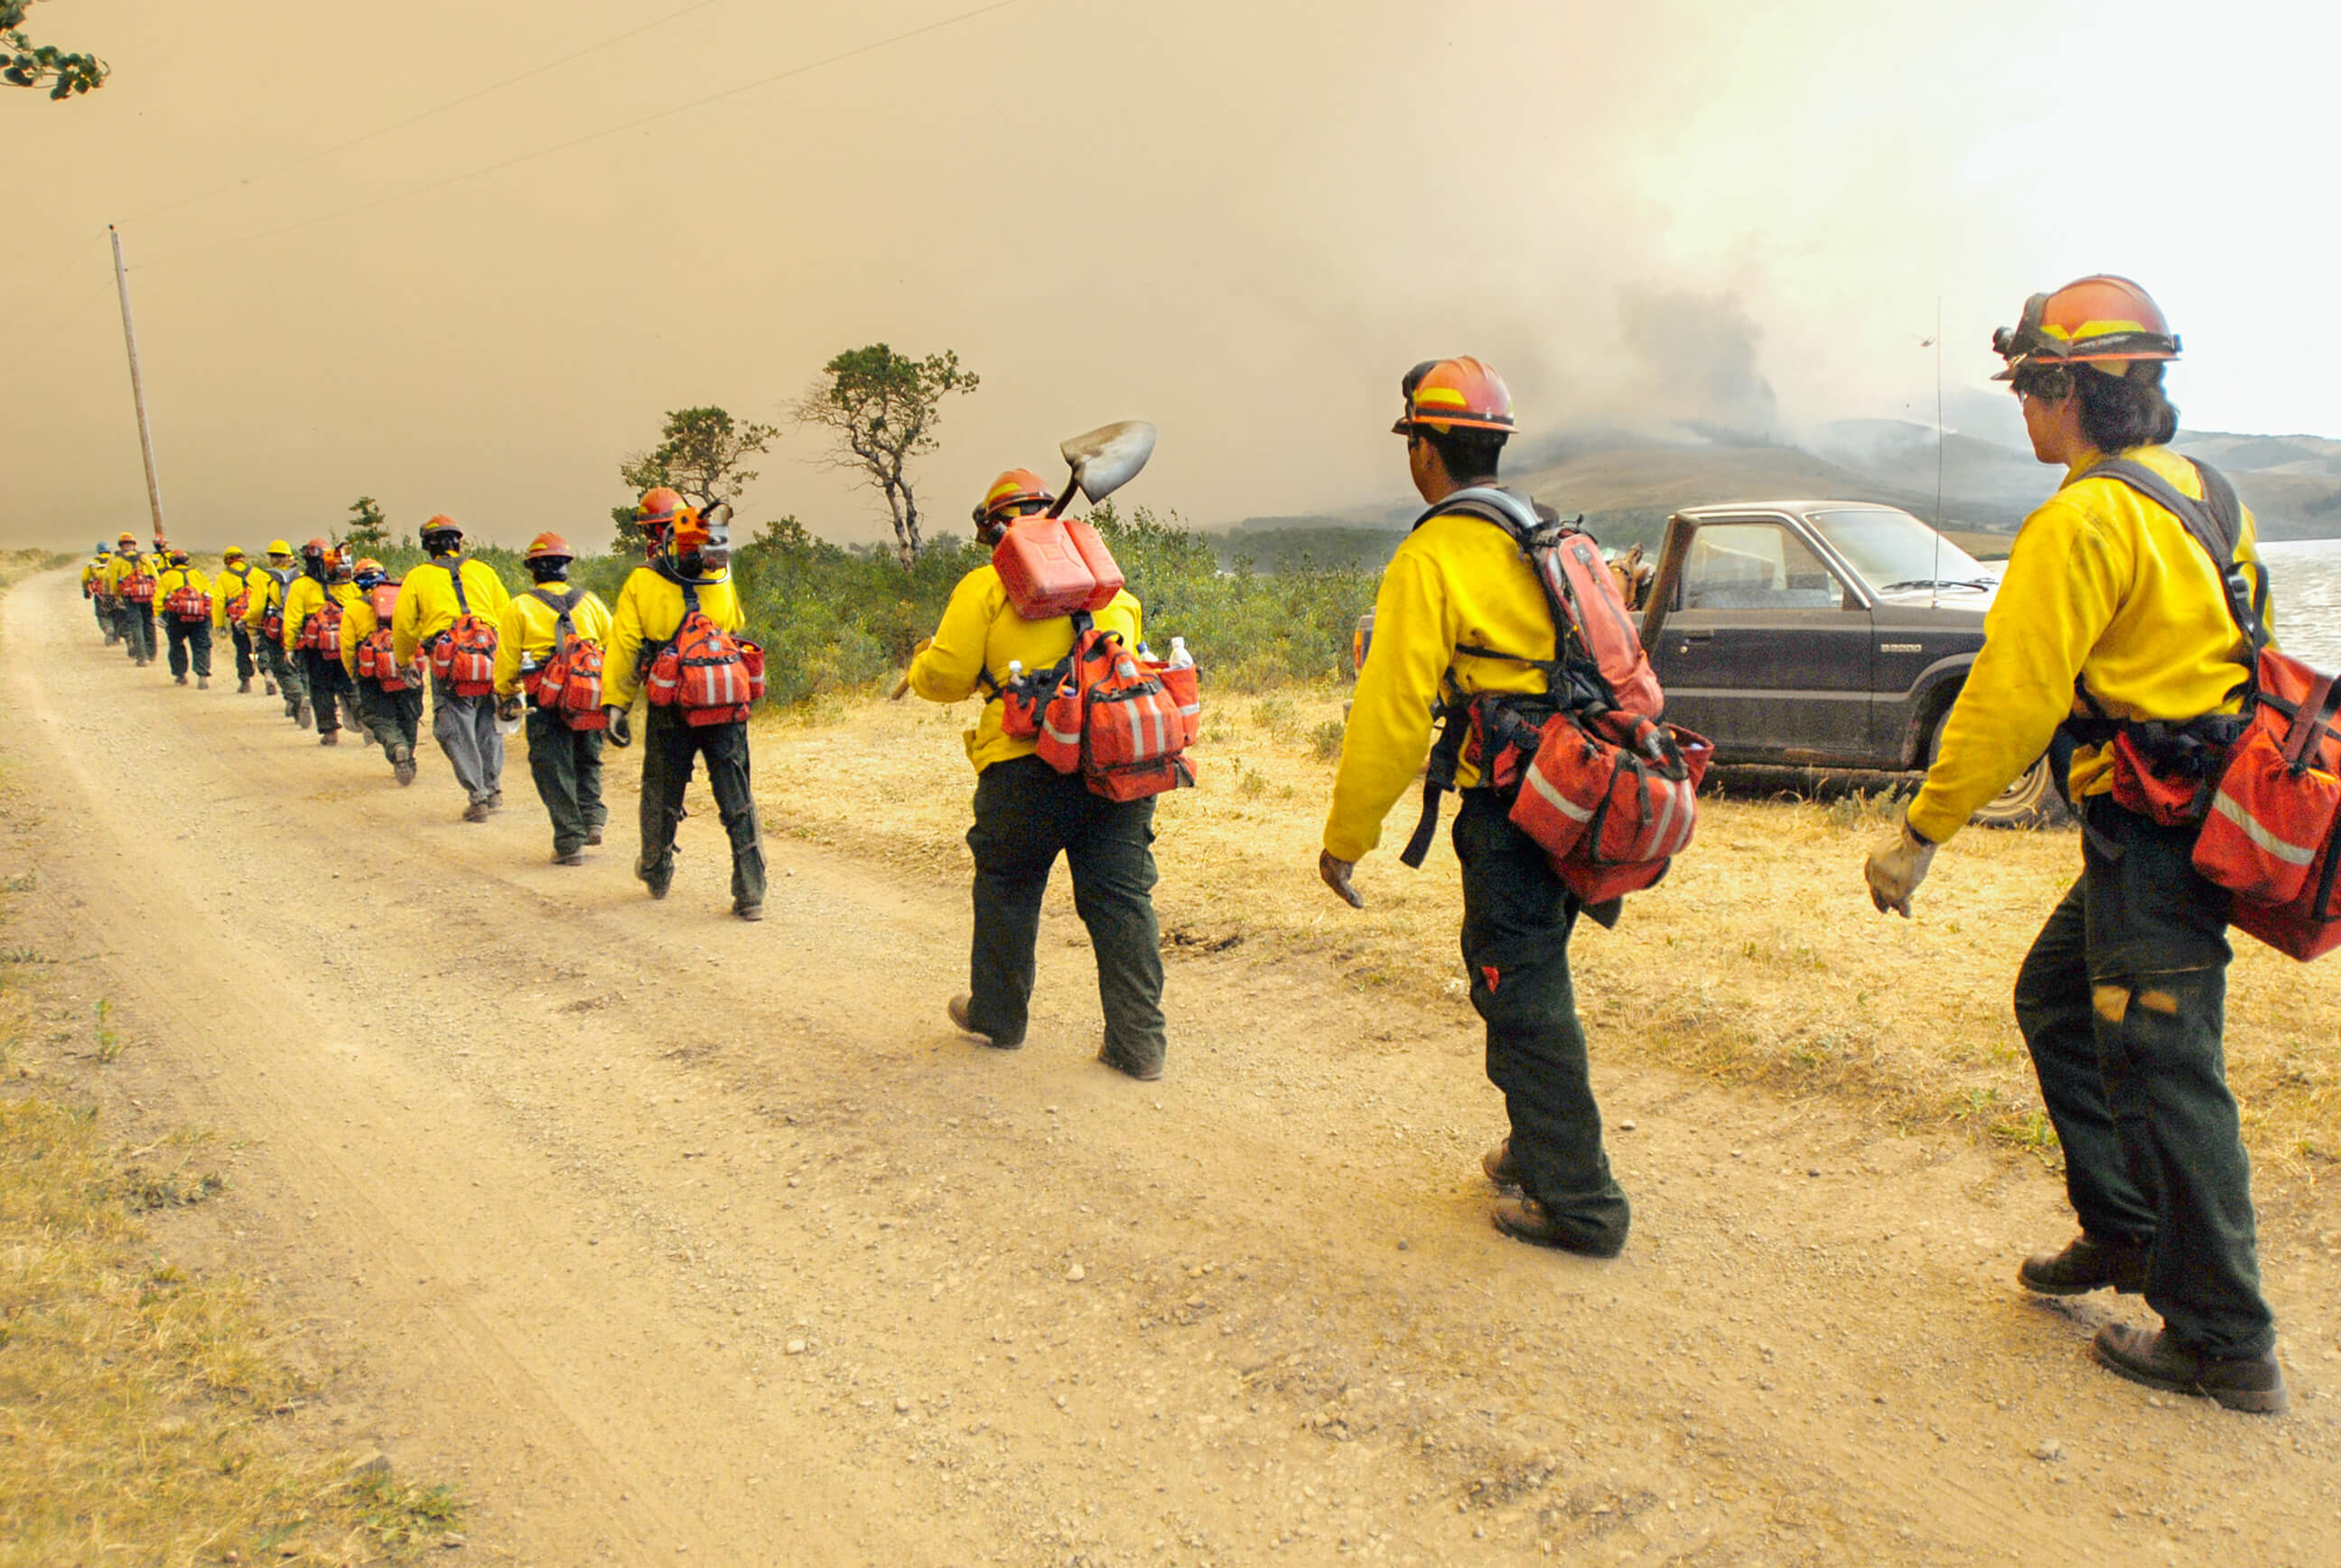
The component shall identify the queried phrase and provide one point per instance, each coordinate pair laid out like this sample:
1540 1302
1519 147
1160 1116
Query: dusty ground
676 1240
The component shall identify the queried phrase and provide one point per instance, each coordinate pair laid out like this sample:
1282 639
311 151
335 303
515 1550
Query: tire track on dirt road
687 1234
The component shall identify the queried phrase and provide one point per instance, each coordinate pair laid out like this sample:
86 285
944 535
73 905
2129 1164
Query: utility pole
137 386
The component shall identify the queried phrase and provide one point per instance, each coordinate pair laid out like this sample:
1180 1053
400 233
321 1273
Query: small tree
369 531
880 408
25 64
699 455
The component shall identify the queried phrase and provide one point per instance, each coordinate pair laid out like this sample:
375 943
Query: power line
809 65
307 158
24 312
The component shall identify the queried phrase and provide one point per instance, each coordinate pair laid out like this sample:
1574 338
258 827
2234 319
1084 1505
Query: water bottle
1015 671
1145 653
1181 659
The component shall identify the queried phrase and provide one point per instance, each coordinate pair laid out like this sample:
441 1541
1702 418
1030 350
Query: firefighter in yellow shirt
2112 620
314 607
130 582
432 595
96 589
184 594
1027 814
264 624
392 715
694 567
1459 581
565 761
231 597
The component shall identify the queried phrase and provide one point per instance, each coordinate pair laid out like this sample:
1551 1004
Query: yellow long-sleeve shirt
358 623
304 598
124 565
92 576
649 611
2105 585
231 582
427 604
269 587
1457 580
980 634
171 579
526 629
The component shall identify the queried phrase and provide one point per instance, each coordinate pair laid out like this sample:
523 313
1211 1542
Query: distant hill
1626 483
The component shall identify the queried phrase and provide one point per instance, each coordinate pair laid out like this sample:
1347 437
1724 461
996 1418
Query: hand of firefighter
508 708
622 728
903 687
1337 873
1896 869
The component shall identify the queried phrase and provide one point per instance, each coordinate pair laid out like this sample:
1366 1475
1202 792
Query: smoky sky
1243 222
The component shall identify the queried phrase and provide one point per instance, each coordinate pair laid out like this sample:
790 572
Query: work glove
508 708
1896 869
622 728
1336 873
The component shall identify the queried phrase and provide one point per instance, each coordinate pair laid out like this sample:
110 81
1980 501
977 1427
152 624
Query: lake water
2307 575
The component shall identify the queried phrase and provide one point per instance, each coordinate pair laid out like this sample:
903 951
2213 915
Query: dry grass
1758 961
140 1406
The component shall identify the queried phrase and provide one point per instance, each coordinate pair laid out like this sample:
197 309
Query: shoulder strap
2216 522
563 609
454 570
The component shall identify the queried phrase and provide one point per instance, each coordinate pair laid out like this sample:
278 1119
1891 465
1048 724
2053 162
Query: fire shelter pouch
1611 798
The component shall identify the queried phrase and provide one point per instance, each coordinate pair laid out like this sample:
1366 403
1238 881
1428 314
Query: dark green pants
2123 1003
328 683
1516 920
669 748
241 635
284 670
108 621
136 624
185 639
396 716
1026 814
566 765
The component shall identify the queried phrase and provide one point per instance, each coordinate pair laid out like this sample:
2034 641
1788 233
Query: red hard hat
546 545
658 505
1013 490
316 547
1444 395
2100 320
442 524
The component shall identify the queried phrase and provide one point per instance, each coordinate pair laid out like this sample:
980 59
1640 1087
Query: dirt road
680 1241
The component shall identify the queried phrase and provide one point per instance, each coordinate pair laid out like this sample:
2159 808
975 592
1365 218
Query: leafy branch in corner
25 64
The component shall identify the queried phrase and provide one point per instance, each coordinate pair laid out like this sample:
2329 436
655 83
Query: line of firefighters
346 645
2109 611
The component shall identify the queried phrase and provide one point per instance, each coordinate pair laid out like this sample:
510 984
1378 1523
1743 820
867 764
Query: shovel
1105 460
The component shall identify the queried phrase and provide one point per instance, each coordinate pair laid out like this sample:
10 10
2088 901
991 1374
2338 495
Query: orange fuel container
1052 566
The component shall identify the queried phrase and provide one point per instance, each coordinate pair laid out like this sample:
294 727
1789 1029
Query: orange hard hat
545 544
367 563
2101 320
178 557
1012 492
658 506
1444 395
316 547
442 524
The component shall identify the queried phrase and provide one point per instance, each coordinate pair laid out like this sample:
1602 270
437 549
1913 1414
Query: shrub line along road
681 1240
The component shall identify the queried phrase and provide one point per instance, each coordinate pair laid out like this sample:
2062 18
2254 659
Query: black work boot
657 879
958 1008
1526 1220
2251 1383
2086 1264
1498 1163
1145 1071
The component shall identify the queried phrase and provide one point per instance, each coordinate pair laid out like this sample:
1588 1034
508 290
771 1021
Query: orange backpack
377 659
464 655
714 676
242 602
1121 724
188 605
272 619
322 631
138 587
569 684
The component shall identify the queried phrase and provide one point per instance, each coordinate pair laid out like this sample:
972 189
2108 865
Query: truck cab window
1756 567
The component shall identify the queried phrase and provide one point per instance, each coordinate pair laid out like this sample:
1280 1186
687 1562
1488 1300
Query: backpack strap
2216 524
563 609
454 566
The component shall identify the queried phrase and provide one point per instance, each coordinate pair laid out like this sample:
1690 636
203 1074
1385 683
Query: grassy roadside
1760 961
139 1403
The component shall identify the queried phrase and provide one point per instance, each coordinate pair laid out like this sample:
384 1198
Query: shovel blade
1109 456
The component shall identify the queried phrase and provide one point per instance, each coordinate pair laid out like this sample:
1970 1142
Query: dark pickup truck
1822 634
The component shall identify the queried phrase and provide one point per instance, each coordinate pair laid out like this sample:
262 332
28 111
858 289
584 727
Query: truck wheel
2032 801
